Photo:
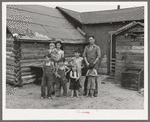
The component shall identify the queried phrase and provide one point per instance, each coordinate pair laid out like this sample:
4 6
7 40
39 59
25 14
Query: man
92 54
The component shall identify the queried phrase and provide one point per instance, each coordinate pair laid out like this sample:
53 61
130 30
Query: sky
92 6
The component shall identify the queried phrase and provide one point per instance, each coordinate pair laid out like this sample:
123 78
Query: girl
74 81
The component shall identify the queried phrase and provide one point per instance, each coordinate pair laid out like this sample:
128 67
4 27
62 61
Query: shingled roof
95 17
44 23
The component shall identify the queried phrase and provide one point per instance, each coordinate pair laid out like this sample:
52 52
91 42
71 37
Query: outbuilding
127 49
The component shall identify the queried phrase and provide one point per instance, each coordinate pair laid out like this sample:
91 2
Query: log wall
31 54
13 67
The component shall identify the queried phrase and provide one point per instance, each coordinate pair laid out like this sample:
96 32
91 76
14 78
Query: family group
56 73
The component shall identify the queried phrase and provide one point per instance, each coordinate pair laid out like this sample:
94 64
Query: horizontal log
10 81
10 76
10 58
27 73
33 57
32 60
10 72
10 67
25 70
29 81
26 64
9 48
28 76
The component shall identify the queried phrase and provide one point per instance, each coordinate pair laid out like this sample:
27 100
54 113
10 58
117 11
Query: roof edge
61 10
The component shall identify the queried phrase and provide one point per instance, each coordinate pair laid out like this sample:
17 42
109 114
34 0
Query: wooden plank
118 73
131 58
129 50
103 65
126 43
135 62
141 30
126 57
123 39
120 66
102 70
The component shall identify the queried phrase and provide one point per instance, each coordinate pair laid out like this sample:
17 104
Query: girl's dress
74 85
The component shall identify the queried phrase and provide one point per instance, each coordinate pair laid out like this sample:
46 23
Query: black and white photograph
81 60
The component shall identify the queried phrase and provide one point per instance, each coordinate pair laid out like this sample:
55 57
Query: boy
91 73
47 79
61 77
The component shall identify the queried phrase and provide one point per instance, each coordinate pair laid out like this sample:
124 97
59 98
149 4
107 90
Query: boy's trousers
60 82
47 81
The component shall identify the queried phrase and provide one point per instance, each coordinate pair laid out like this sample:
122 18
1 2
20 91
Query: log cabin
35 26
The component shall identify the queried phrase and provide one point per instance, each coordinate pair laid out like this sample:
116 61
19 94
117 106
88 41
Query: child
47 79
91 73
74 81
77 60
61 78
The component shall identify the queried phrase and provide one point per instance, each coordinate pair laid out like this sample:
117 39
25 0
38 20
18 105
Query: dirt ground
110 96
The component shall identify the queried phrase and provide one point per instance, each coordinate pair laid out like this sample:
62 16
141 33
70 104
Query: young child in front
74 81
61 78
92 74
47 79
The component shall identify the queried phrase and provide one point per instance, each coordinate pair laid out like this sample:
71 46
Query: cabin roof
107 16
130 25
40 23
